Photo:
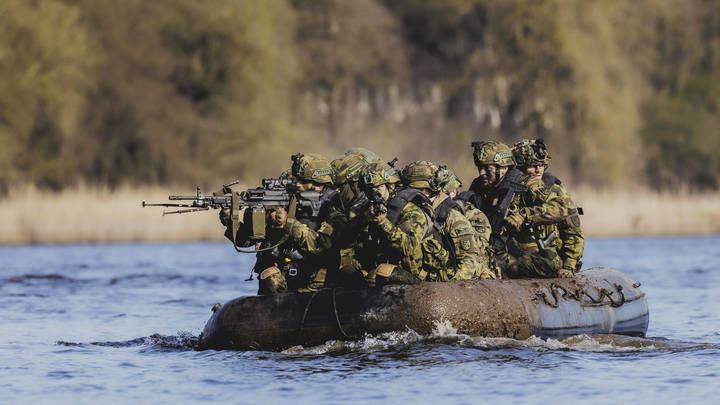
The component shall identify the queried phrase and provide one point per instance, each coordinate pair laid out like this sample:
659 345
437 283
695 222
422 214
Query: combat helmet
531 153
492 153
287 174
368 155
312 167
377 174
447 179
348 166
421 174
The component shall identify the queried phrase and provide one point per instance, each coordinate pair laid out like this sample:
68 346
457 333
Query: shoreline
98 215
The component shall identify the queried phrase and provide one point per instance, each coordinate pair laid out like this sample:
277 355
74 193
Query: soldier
407 222
289 257
347 173
273 256
533 159
499 191
453 233
314 237
363 252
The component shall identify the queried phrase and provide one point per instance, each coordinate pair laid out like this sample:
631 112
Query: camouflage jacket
532 199
558 214
402 242
315 240
453 252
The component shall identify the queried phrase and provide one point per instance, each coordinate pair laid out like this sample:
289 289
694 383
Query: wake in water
445 333
183 341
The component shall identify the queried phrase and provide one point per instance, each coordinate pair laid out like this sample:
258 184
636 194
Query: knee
272 281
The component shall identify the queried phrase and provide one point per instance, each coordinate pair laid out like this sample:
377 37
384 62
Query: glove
377 218
514 221
566 273
224 216
278 218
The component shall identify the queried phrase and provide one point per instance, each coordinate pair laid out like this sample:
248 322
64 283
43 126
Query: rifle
498 241
275 192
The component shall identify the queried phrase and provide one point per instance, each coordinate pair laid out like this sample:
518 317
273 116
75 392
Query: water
117 323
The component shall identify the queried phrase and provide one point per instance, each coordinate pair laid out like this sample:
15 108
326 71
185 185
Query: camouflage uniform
348 168
364 253
314 240
407 223
297 251
512 253
466 258
559 216
347 173
456 236
403 240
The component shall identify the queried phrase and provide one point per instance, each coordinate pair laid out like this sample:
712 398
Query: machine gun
275 192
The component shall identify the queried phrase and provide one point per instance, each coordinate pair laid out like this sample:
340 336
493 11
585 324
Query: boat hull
598 300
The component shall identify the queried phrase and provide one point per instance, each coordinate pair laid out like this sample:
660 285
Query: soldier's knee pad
271 281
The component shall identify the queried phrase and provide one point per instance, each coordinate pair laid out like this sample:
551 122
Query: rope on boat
577 295
335 312
337 318
305 312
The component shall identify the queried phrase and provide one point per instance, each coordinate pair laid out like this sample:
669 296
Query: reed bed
98 215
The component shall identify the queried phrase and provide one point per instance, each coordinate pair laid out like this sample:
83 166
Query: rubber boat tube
598 301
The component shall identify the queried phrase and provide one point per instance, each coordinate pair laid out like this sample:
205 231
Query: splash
367 344
183 341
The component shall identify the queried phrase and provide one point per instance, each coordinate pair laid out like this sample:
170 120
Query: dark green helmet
531 153
312 168
377 174
421 174
447 179
492 153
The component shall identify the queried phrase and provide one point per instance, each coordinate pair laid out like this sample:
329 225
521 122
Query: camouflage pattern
359 250
531 153
421 174
447 179
522 257
316 241
492 153
541 213
368 155
347 173
560 215
482 228
453 252
376 174
402 243
312 168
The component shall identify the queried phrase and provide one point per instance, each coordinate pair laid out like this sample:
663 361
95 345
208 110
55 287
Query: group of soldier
378 225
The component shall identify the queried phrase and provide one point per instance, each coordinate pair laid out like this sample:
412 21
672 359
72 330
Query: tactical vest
441 214
401 199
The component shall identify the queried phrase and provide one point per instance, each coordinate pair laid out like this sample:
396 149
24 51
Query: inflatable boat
596 301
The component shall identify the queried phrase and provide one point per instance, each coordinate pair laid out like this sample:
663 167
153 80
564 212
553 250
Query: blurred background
104 103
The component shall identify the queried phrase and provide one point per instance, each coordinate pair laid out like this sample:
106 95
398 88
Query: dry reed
97 215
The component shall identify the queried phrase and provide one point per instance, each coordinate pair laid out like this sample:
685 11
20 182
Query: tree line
103 92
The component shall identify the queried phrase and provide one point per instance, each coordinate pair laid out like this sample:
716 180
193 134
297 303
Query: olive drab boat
598 300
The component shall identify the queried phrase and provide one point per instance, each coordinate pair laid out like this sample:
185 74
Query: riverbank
96 215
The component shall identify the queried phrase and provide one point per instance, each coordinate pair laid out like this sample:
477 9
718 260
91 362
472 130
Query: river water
117 323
